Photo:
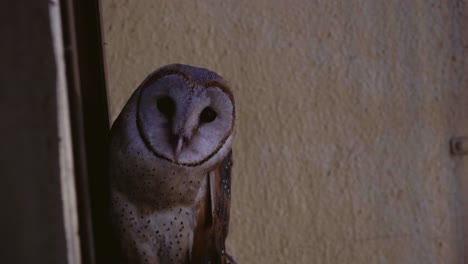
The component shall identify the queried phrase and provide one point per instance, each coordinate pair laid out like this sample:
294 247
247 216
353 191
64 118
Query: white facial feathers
184 122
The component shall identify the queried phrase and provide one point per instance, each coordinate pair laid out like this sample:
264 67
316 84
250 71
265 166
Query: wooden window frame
90 125
52 59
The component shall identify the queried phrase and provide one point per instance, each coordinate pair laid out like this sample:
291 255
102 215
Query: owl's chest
154 184
159 237
154 206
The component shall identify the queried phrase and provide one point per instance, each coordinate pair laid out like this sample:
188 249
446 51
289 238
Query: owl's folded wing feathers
213 218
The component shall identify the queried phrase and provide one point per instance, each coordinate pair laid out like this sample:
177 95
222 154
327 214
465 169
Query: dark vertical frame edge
85 68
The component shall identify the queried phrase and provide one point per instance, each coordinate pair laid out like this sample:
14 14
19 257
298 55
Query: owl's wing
213 218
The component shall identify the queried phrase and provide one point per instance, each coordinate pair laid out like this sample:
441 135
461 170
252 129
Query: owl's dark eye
166 106
207 115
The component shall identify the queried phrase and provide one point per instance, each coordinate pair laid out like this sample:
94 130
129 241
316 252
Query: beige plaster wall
345 109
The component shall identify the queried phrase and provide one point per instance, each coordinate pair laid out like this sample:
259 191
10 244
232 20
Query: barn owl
170 168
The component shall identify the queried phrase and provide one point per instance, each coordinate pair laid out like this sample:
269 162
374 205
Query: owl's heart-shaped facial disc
184 121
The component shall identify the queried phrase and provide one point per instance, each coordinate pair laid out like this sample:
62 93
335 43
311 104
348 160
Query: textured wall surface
345 108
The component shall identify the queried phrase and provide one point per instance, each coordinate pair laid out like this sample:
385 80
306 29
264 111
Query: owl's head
185 115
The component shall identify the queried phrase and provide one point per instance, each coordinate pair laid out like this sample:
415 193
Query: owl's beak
178 147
